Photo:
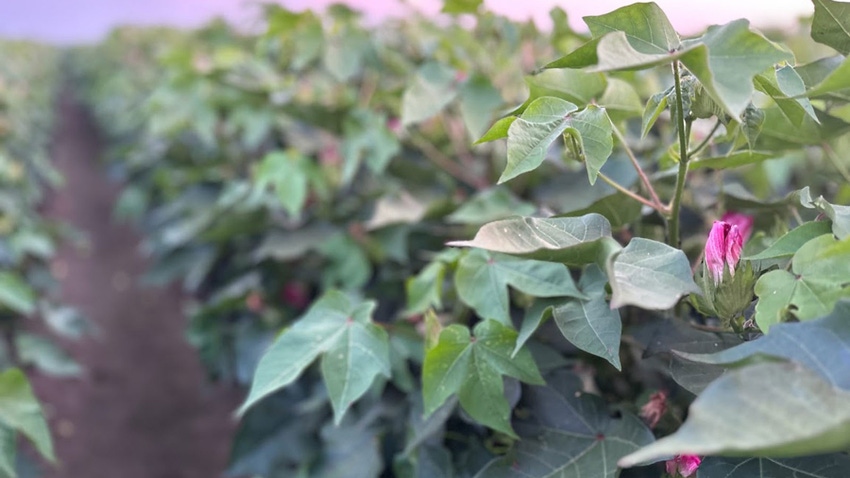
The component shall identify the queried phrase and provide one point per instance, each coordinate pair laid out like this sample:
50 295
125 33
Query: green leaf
432 88
656 105
354 351
734 160
827 76
499 130
725 59
645 27
589 324
840 215
574 86
344 54
831 24
728 59
8 452
570 240
568 434
472 368
836 465
787 245
348 266
592 131
482 278
530 135
20 410
822 345
492 204
455 7
286 172
650 275
479 101
15 294
581 57
782 86
619 209
621 100
800 415
818 278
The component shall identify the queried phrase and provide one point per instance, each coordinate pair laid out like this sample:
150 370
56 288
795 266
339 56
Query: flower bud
743 221
723 249
654 409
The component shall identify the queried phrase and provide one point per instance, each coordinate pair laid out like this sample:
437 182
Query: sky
78 21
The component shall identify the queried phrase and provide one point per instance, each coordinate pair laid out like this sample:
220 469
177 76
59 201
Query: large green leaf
568 433
591 131
831 24
818 278
354 351
482 278
725 59
650 275
571 240
15 294
836 465
645 25
590 324
770 409
472 368
432 88
822 345
20 410
530 135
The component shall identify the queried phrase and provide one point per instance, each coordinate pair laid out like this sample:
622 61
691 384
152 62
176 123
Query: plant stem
704 142
641 174
676 205
636 197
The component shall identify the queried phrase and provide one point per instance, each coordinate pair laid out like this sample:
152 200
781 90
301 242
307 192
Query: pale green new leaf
800 414
818 279
482 279
354 351
650 275
472 368
530 135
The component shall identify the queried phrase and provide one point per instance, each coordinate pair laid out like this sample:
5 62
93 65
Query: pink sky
66 21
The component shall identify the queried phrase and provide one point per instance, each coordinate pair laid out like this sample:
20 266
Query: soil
143 408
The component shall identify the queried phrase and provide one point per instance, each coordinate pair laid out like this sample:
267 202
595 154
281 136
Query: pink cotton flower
743 221
723 248
683 465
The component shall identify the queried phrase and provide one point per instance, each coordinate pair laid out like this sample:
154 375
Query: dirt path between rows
143 409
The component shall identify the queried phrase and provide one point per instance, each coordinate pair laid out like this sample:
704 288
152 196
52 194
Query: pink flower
654 409
683 465
723 248
743 221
